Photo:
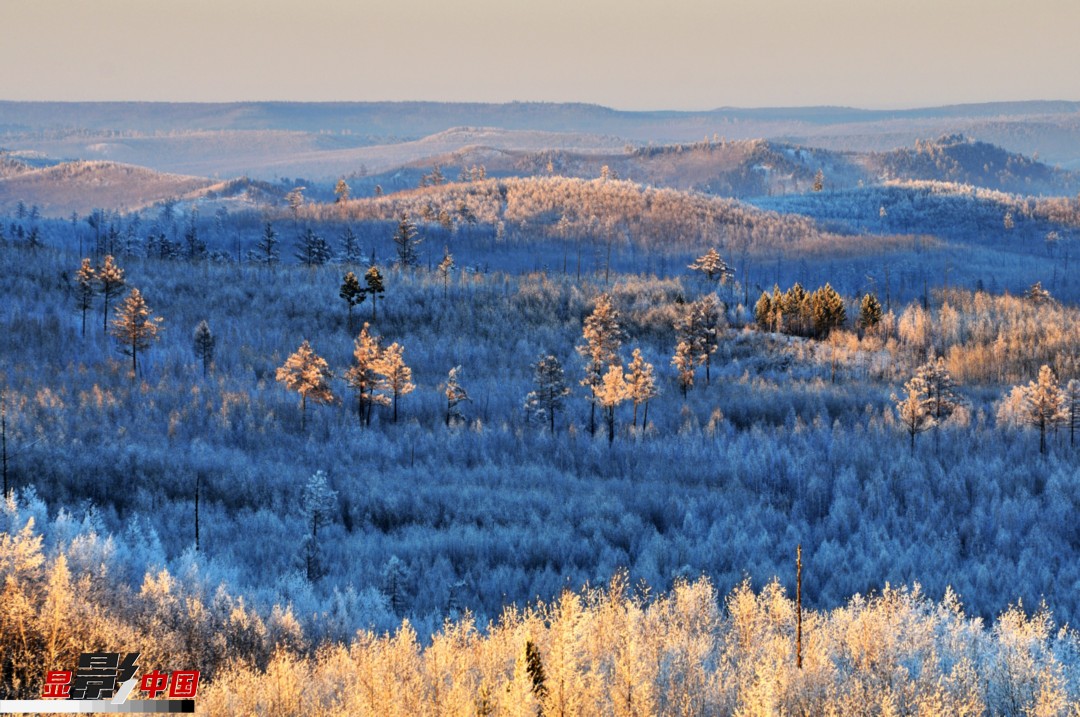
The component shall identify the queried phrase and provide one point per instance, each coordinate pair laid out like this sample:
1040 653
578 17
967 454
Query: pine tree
797 311
763 312
266 251
603 338
361 376
374 280
319 501
1036 294
712 266
550 391
85 289
612 391
455 395
1041 404
642 385
203 342
395 377
134 327
707 310
870 314
111 281
352 293
308 374
350 247
819 181
1072 408
828 311
405 238
914 409
341 193
313 250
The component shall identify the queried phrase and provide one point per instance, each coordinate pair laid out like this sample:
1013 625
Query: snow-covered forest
245 505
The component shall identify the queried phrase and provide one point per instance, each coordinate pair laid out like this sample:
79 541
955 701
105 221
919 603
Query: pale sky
662 54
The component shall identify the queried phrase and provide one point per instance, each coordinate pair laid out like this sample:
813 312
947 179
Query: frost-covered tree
395 378
708 312
312 250
763 311
1072 407
819 181
1041 404
796 310
374 280
295 199
1036 294
827 311
362 377
406 241
352 293
319 501
941 393
684 363
551 390
203 342
445 267
642 385
712 266
455 394
110 285
870 314
341 192
602 340
914 409
350 247
611 392
135 327
85 289
308 374
266 249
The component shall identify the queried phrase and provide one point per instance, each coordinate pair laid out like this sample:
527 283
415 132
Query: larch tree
203 341
352 293
612 391
641 382
455 395
295 200
135 327
712 266
361 376
1041 404
374 280
602 340
395 378
110 285
914 409
551 390
684 363
319 501
341 193
406 241
308 374
85 289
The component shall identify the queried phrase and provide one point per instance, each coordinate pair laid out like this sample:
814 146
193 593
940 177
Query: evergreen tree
642 385
797 310
341 192
763 312
712 266
111 281
603 338
1041 404
395 377
319 501
819 181
362 376
135 327
914 409
445 267
455 395
940 388
203 342
870 313
352 293
374 280
406 241
550 391
85 289
828 311
266 251
708 322
308 374
1036 294
1072 408
313 250
350 247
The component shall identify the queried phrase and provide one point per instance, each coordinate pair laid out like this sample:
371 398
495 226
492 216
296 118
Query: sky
627 54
